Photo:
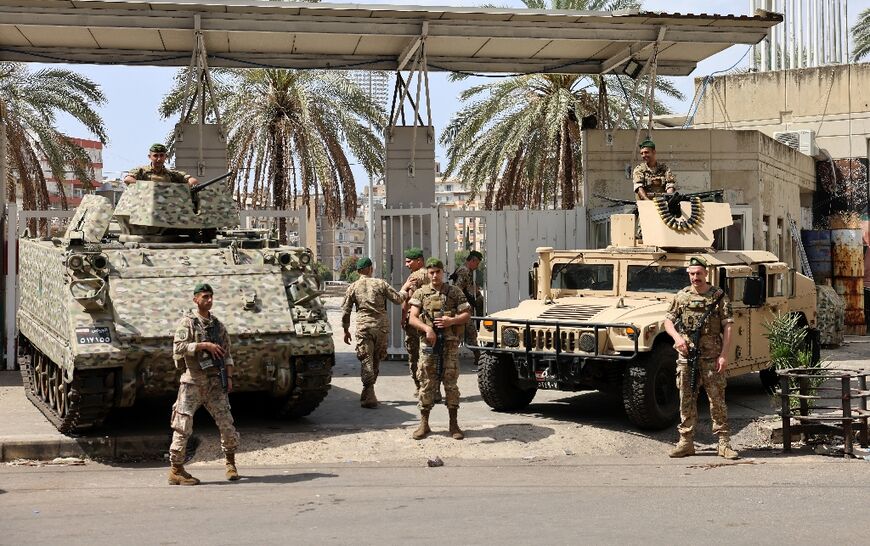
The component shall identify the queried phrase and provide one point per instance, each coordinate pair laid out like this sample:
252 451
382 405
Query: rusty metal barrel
817 244
847 259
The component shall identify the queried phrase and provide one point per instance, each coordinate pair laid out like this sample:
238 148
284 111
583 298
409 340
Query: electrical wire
699 95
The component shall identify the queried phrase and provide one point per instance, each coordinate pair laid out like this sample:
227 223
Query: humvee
595 318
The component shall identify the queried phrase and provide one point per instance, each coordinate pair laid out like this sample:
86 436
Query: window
737 285
731 237
657 279
765 232
775 285
582 276
600 234
780 240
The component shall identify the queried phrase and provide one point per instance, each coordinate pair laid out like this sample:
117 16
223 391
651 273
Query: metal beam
412 47
623 56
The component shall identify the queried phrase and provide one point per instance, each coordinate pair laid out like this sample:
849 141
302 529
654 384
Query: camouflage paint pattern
642 177
165 204
98 211
192 394
428 376
831 316
714 384
371 349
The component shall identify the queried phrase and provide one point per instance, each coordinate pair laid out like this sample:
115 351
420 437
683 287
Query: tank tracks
71 407
310 387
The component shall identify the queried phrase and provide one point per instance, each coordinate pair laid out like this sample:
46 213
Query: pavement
142 432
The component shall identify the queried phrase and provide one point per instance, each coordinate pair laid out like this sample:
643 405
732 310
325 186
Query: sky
134 93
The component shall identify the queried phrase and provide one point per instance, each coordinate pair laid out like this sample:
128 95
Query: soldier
651 177
417 278
438 306
157 170
202 345
463 278
370 297
688 309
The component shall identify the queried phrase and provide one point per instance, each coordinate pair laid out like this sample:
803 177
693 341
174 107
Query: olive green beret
434 262
474 254
648 144
157 148
413 253
202 287
697 260
363 263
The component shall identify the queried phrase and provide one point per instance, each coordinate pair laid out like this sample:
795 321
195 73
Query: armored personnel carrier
98 306
595 319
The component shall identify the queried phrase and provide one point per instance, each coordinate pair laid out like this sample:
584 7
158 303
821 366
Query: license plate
545 381
93 334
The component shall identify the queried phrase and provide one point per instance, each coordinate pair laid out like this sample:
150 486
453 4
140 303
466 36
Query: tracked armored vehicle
595 320
98 306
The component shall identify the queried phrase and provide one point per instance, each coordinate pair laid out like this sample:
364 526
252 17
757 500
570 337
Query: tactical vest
694 307
434 305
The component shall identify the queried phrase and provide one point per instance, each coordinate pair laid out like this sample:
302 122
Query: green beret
202 287
697 260
434 262
413 253
157 148
474 254
648 144
363 263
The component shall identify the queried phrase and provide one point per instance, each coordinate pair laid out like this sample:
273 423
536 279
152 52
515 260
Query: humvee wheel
649 389
498 384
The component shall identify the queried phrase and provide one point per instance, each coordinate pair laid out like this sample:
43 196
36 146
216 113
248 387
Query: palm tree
517 141
861 35
33 99
287 134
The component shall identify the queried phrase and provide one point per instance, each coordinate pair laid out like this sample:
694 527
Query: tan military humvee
596 317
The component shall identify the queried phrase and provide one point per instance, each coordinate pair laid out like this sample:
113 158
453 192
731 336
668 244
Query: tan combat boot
179 476
368 399
685 447
232 473
725 450
423 430
455 431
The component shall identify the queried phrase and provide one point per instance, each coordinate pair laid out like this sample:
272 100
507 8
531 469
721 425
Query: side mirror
753 292
533 280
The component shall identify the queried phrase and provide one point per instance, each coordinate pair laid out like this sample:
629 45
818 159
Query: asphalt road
766 501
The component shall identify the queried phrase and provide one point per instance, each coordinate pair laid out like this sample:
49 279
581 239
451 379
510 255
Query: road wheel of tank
649 389
308 388
499 385
41 376
59 392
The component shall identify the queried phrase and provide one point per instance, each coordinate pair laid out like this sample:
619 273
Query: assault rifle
203 185
694 355
218 362
438 348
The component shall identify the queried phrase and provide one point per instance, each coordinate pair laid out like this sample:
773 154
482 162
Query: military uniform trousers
714 384
412 345
371 348
206 391
427 373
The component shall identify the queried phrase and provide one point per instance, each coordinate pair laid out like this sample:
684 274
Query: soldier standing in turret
157 171
651 177
463 278
369 296
438 310
202 346
688 309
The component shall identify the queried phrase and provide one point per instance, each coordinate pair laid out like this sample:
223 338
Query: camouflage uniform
147 172
412 335
464 281
688 306
643 176
200 385
370 296
450 301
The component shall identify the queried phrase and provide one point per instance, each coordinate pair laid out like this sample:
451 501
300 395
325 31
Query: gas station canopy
365 36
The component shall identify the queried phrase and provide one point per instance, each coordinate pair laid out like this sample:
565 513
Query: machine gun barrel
203 185
612 200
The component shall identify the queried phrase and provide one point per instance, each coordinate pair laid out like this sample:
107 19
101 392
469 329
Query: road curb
99 448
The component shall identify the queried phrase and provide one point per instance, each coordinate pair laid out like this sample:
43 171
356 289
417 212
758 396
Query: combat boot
232 473
455 431
423 429
685 447
368 399
179 476
725 450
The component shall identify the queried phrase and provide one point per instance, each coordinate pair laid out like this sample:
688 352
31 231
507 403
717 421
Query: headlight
285 258
587 342
630 332
75 262
99 261
489 325
305 258
510 337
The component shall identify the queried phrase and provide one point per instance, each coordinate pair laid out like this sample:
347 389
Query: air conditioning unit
802 141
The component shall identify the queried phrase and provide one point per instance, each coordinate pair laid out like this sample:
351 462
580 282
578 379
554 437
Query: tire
649 389
499 385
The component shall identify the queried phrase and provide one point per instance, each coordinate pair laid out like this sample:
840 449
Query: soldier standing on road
651 177
463 278
443 307
157 170
370 296
201 343
688 309
417 278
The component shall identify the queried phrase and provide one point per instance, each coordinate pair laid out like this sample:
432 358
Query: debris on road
435 461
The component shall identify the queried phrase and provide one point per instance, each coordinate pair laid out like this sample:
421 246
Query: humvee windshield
583 276
657 279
